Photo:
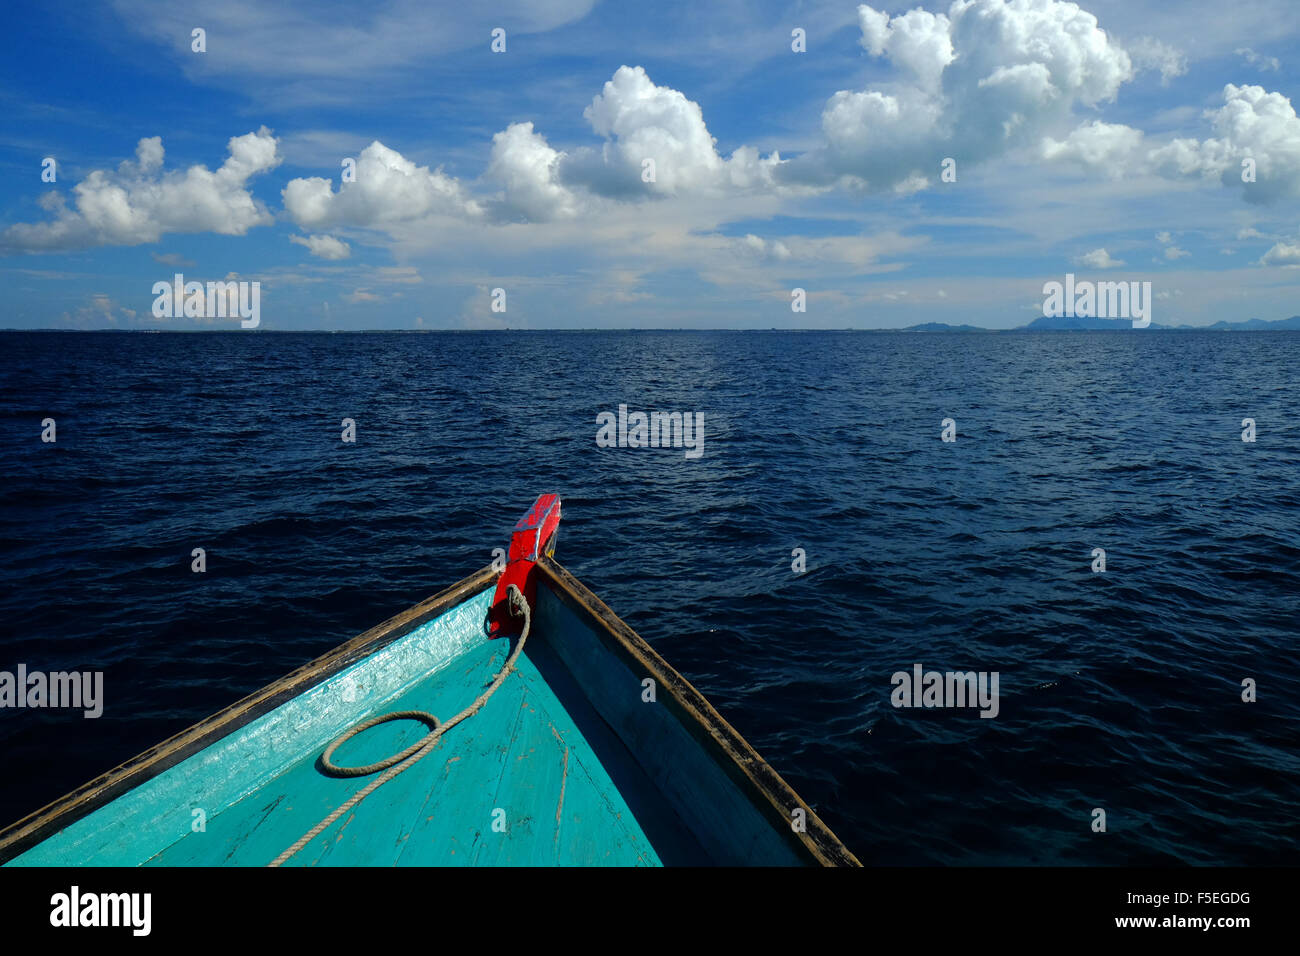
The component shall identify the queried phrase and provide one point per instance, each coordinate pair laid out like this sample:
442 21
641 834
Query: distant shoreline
1279 325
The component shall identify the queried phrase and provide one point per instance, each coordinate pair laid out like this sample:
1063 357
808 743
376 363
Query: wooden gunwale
41 824
762 784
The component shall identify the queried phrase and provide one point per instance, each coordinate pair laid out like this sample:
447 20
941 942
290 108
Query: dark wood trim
765 787
43 823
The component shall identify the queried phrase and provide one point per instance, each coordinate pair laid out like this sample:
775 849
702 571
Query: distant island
1042 324
943 327
1064 323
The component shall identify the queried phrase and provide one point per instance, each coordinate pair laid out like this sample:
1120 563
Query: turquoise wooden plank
529 793
520 770
558 800
457 810
584 771
378 829
521 753
302 795
159 812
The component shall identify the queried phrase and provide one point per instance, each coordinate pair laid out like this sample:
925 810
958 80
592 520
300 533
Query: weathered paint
260 787
61 813
579 769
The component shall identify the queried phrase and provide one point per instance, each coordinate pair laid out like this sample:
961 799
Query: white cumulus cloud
1098 259
388 189
645 126
141 202
918 41
983 79
528 168
773 249
1282 254
1106 147
324 247
641 121
1253 124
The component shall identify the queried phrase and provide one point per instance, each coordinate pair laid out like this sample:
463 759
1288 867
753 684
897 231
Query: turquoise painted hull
567 764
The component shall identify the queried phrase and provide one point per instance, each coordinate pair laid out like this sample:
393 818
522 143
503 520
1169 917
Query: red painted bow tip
534 535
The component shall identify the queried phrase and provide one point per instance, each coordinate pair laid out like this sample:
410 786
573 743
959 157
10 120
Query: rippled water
1119 691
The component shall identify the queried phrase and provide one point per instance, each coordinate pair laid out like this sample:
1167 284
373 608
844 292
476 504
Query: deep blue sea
1119 690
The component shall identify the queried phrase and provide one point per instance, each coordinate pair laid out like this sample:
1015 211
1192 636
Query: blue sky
1105 140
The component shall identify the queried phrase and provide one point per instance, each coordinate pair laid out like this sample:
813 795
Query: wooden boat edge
37 826
767 789
728 747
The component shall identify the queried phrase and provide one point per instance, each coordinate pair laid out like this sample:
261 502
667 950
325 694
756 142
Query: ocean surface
1119 690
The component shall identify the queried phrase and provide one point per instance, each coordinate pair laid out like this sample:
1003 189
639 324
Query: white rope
394 765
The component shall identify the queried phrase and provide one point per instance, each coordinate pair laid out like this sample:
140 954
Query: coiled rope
394 765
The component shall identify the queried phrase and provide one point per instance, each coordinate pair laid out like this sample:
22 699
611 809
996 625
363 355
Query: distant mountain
1070 323
1074 323
1064 323
943 327
1255 324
